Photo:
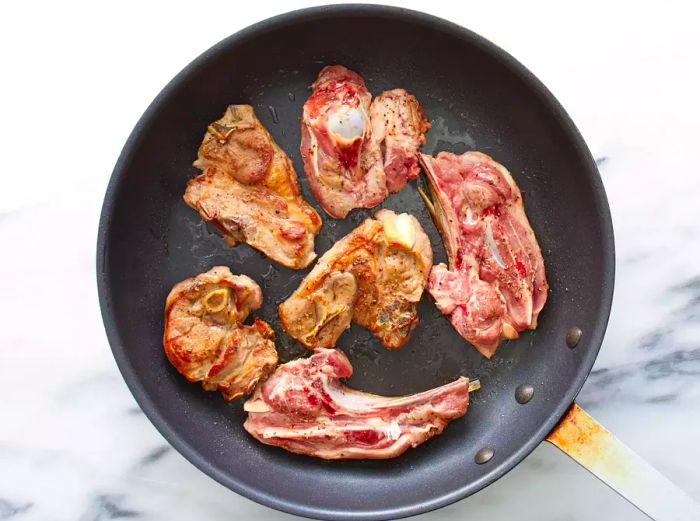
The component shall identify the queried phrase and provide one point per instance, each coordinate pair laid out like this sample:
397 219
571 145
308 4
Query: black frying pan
478 97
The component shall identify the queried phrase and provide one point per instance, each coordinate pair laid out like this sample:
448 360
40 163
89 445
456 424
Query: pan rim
170 433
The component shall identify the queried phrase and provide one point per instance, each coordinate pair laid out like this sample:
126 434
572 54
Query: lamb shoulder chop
249 190
495 285
375 276
205 338
343 135
304 408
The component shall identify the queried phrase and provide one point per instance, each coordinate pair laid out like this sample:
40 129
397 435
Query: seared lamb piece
343 156
375 276
304 408
205 338
495 285
249 190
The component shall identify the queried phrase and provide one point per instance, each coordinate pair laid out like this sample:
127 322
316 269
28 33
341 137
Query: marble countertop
74 444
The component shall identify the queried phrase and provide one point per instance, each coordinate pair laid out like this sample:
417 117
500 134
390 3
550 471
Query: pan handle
595 448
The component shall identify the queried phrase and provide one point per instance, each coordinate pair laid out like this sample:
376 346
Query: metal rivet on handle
483 455
524 393
573 336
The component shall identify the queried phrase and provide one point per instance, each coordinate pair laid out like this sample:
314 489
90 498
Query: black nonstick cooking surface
478 98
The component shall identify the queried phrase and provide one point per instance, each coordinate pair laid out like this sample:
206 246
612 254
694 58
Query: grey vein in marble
9 510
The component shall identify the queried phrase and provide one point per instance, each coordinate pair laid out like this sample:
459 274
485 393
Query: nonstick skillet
477 97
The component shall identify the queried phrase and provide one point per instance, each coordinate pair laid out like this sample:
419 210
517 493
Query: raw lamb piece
399 125
344 136
304 408
495 285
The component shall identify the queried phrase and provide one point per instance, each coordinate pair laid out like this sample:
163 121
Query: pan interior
476 97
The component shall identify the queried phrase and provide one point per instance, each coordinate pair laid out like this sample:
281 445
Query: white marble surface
73 443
